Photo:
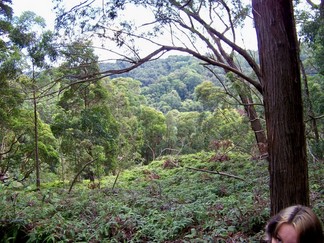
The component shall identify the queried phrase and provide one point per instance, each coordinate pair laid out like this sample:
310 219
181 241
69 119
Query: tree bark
278 52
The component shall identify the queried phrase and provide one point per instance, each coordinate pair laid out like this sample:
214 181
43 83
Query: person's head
295 224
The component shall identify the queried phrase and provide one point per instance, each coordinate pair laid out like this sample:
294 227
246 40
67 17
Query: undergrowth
170 200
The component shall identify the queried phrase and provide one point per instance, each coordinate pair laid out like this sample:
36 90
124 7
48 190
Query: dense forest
174 148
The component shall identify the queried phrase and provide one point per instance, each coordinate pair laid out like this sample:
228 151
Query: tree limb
77 175
11 145
216 172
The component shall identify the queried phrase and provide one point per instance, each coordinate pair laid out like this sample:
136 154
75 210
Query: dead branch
216 172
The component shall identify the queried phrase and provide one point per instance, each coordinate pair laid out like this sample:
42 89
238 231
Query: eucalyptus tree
228 124
124 102
10 97
281 80
22 57
208 30
35 43
189 132
154 128
312 30
211 96
84 123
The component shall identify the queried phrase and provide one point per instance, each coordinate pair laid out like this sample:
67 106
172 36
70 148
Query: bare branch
312 4
237 48
216 172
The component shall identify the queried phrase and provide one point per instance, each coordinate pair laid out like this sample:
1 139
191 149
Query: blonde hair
303 219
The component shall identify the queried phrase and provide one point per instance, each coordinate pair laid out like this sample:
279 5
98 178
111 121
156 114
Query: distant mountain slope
152 71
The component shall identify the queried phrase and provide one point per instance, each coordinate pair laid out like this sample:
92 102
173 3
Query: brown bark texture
281 84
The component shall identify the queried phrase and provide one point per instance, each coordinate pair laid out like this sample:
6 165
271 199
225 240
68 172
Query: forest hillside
159 154
139 145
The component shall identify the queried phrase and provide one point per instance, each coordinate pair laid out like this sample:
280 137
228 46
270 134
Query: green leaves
186 206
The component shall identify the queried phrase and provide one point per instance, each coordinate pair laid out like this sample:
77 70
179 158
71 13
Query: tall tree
281 82
85 124
124 103
29 34
154 128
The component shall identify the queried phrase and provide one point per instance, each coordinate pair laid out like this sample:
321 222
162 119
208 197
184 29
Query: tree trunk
281 81
256 125
36 141
247 101
309 104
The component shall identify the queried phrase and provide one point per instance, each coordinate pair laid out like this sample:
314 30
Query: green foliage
154 128
160 202
228 124
169 83
312 31
18 141
210 95
150 203
28 33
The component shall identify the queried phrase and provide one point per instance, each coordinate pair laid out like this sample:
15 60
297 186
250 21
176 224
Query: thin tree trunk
256 126
37 165
308 101
247 101
79 173
278 51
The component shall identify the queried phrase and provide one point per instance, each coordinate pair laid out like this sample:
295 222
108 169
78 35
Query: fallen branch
216 172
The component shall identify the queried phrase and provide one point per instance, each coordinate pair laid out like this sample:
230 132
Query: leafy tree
11 113
11 99
154 128
171 134
8 52
189 132
29 35
210 95
312 51
191 105
87 133
172 99
312 30
124 102
84 123
228 124
28 47
84 132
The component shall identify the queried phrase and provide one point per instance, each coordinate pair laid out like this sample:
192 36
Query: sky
42 8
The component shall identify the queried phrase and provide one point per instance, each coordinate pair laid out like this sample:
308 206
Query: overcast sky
40 7
44 8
